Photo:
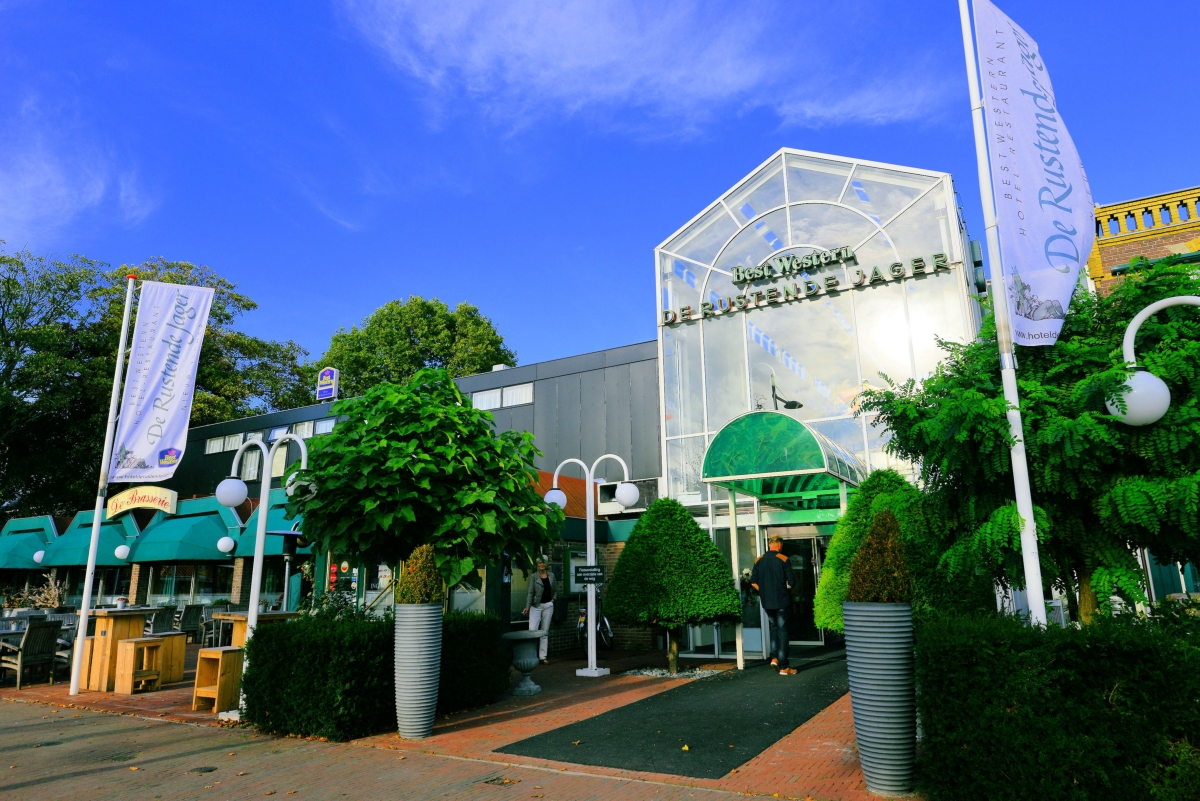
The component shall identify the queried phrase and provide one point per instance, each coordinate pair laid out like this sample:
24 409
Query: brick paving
818 760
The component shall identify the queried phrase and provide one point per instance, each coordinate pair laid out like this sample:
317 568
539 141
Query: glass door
805 558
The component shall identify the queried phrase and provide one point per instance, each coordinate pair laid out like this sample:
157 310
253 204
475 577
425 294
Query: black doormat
724 721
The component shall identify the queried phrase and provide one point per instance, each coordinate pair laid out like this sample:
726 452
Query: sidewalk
817 760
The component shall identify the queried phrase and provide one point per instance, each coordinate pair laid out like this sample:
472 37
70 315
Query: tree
671 573
402 337
1101 489
415 463
60 322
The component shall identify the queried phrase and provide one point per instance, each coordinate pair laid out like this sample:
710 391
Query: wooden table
112 626
238 619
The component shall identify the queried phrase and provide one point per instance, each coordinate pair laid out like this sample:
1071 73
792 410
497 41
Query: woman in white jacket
539 605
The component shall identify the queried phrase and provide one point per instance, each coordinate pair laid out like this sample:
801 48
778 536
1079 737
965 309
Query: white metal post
1008 371
739 643
101 491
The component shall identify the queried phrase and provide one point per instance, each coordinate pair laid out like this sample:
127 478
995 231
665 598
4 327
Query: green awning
71 549
21 538
276 522
190 535
780 460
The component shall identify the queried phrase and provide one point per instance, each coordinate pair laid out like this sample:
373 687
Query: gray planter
879 653
525 659
418 666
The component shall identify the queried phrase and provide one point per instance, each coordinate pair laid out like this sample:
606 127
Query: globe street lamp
627 496
1146 396
232 492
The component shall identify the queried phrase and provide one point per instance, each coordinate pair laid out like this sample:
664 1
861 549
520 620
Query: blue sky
523 156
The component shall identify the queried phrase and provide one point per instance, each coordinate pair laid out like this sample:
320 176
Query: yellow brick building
1154 227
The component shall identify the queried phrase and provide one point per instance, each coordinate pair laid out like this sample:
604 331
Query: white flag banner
1043 202
161 380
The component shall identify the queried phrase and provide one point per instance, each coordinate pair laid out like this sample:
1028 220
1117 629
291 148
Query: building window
279 463
214 445
253 435
233 442
303 430
518 395
249 466
487 399
276 433
324 426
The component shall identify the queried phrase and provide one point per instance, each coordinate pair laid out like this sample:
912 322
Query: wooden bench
218 676
174 649
139 665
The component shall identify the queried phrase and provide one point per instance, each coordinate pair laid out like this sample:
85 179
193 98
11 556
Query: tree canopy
59 325
1101 489
412 464
403 337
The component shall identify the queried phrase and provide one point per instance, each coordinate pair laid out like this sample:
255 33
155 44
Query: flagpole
1008 363
101 492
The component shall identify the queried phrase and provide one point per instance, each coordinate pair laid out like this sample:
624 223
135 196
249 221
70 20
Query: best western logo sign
807 285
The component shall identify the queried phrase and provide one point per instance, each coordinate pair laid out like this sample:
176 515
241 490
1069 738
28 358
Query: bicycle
604 632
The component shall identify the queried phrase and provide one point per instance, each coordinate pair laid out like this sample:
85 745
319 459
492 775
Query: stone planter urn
525 659
879 655
418 667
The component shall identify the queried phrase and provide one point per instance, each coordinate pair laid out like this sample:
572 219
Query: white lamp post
626 495
232 491
1147 397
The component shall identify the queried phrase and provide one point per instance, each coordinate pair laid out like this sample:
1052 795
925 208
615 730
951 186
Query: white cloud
678 64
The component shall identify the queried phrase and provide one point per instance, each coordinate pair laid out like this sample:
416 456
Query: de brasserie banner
1043 202
152 431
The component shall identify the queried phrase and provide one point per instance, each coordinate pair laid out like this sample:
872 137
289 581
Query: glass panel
254 435
882 193
325 426
276 433
923 230
518 394
747 553
808 347
828 227
233 442
680 282
685 457
248 470
279 463
683 403
486 399
802 556
304 429
875 252
724 369
764 191
755 242
214 445
519 585
703 239
815 179
883 339
877 439
847 433
935 310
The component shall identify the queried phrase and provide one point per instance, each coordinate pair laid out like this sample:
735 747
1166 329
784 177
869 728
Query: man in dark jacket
773 579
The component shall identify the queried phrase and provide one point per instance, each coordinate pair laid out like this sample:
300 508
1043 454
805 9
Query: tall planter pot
879 653
418 666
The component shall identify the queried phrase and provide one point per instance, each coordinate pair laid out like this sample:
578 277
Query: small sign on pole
327 384
589 574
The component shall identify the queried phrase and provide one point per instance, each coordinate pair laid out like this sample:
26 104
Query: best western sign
164 500
807 285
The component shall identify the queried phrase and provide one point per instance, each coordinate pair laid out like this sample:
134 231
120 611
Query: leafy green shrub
321 677
419 581
670 573
475 661
1010 711
879 573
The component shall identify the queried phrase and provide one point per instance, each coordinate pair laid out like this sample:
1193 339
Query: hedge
333 678
1009 711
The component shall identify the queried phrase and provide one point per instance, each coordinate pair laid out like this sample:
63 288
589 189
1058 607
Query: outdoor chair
191 622
212 628
163 620
38 648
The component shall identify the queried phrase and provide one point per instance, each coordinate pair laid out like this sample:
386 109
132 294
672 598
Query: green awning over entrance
21 538
783 462
190 535
71 549
276 523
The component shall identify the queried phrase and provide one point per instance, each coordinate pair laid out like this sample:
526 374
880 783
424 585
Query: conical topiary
671 573
879 573
419 581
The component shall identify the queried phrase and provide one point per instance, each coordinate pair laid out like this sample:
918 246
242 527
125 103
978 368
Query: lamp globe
39 556
231 491
226 544
557 497
1146 400
121 552
627 494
